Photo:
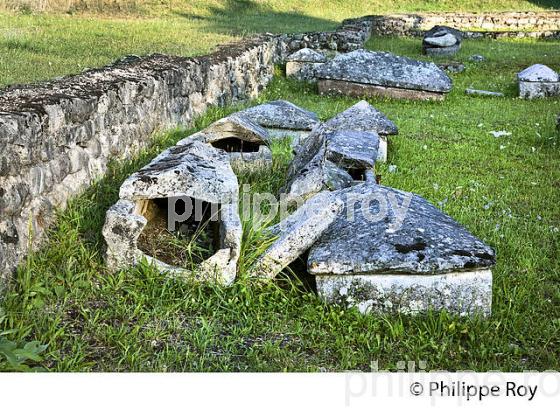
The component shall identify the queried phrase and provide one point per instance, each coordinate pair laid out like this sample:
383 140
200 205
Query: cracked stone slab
392 231
297 233
385 70
194 169
389 250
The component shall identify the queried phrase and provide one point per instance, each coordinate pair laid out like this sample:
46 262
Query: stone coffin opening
358 174
180 232
233 144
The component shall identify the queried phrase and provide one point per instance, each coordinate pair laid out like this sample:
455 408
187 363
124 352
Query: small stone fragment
484 93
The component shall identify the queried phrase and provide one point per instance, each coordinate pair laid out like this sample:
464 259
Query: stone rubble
303 64
371 73
442 41
538 81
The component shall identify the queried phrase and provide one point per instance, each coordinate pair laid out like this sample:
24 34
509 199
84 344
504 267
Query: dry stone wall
494 25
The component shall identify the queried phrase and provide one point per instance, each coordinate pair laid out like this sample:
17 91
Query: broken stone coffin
392 251
304 63
245 141
283 119
442 41
369 73
332 160
297 233
538 81
174 187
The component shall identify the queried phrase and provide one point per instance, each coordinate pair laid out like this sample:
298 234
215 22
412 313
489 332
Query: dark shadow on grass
549 4
247 16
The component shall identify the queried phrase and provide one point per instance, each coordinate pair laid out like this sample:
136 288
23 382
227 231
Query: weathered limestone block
385 236
538 81
194 170
304 63
283 119
463 293
297 233
378 73
442 41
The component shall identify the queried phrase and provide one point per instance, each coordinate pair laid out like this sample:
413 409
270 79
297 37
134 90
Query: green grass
42 46
505 190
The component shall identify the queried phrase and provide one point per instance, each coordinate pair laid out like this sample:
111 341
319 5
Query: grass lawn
36 47
505 190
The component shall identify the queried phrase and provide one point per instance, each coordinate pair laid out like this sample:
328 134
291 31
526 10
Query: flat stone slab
194 169
392 231
385 70
538 73
389 250
297 233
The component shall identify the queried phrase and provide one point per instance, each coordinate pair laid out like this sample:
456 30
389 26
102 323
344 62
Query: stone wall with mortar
493 25
56 137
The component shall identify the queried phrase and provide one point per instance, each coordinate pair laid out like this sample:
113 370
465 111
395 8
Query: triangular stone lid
391 231
361 117
387 70
538 73
236 125
282 114
194 169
